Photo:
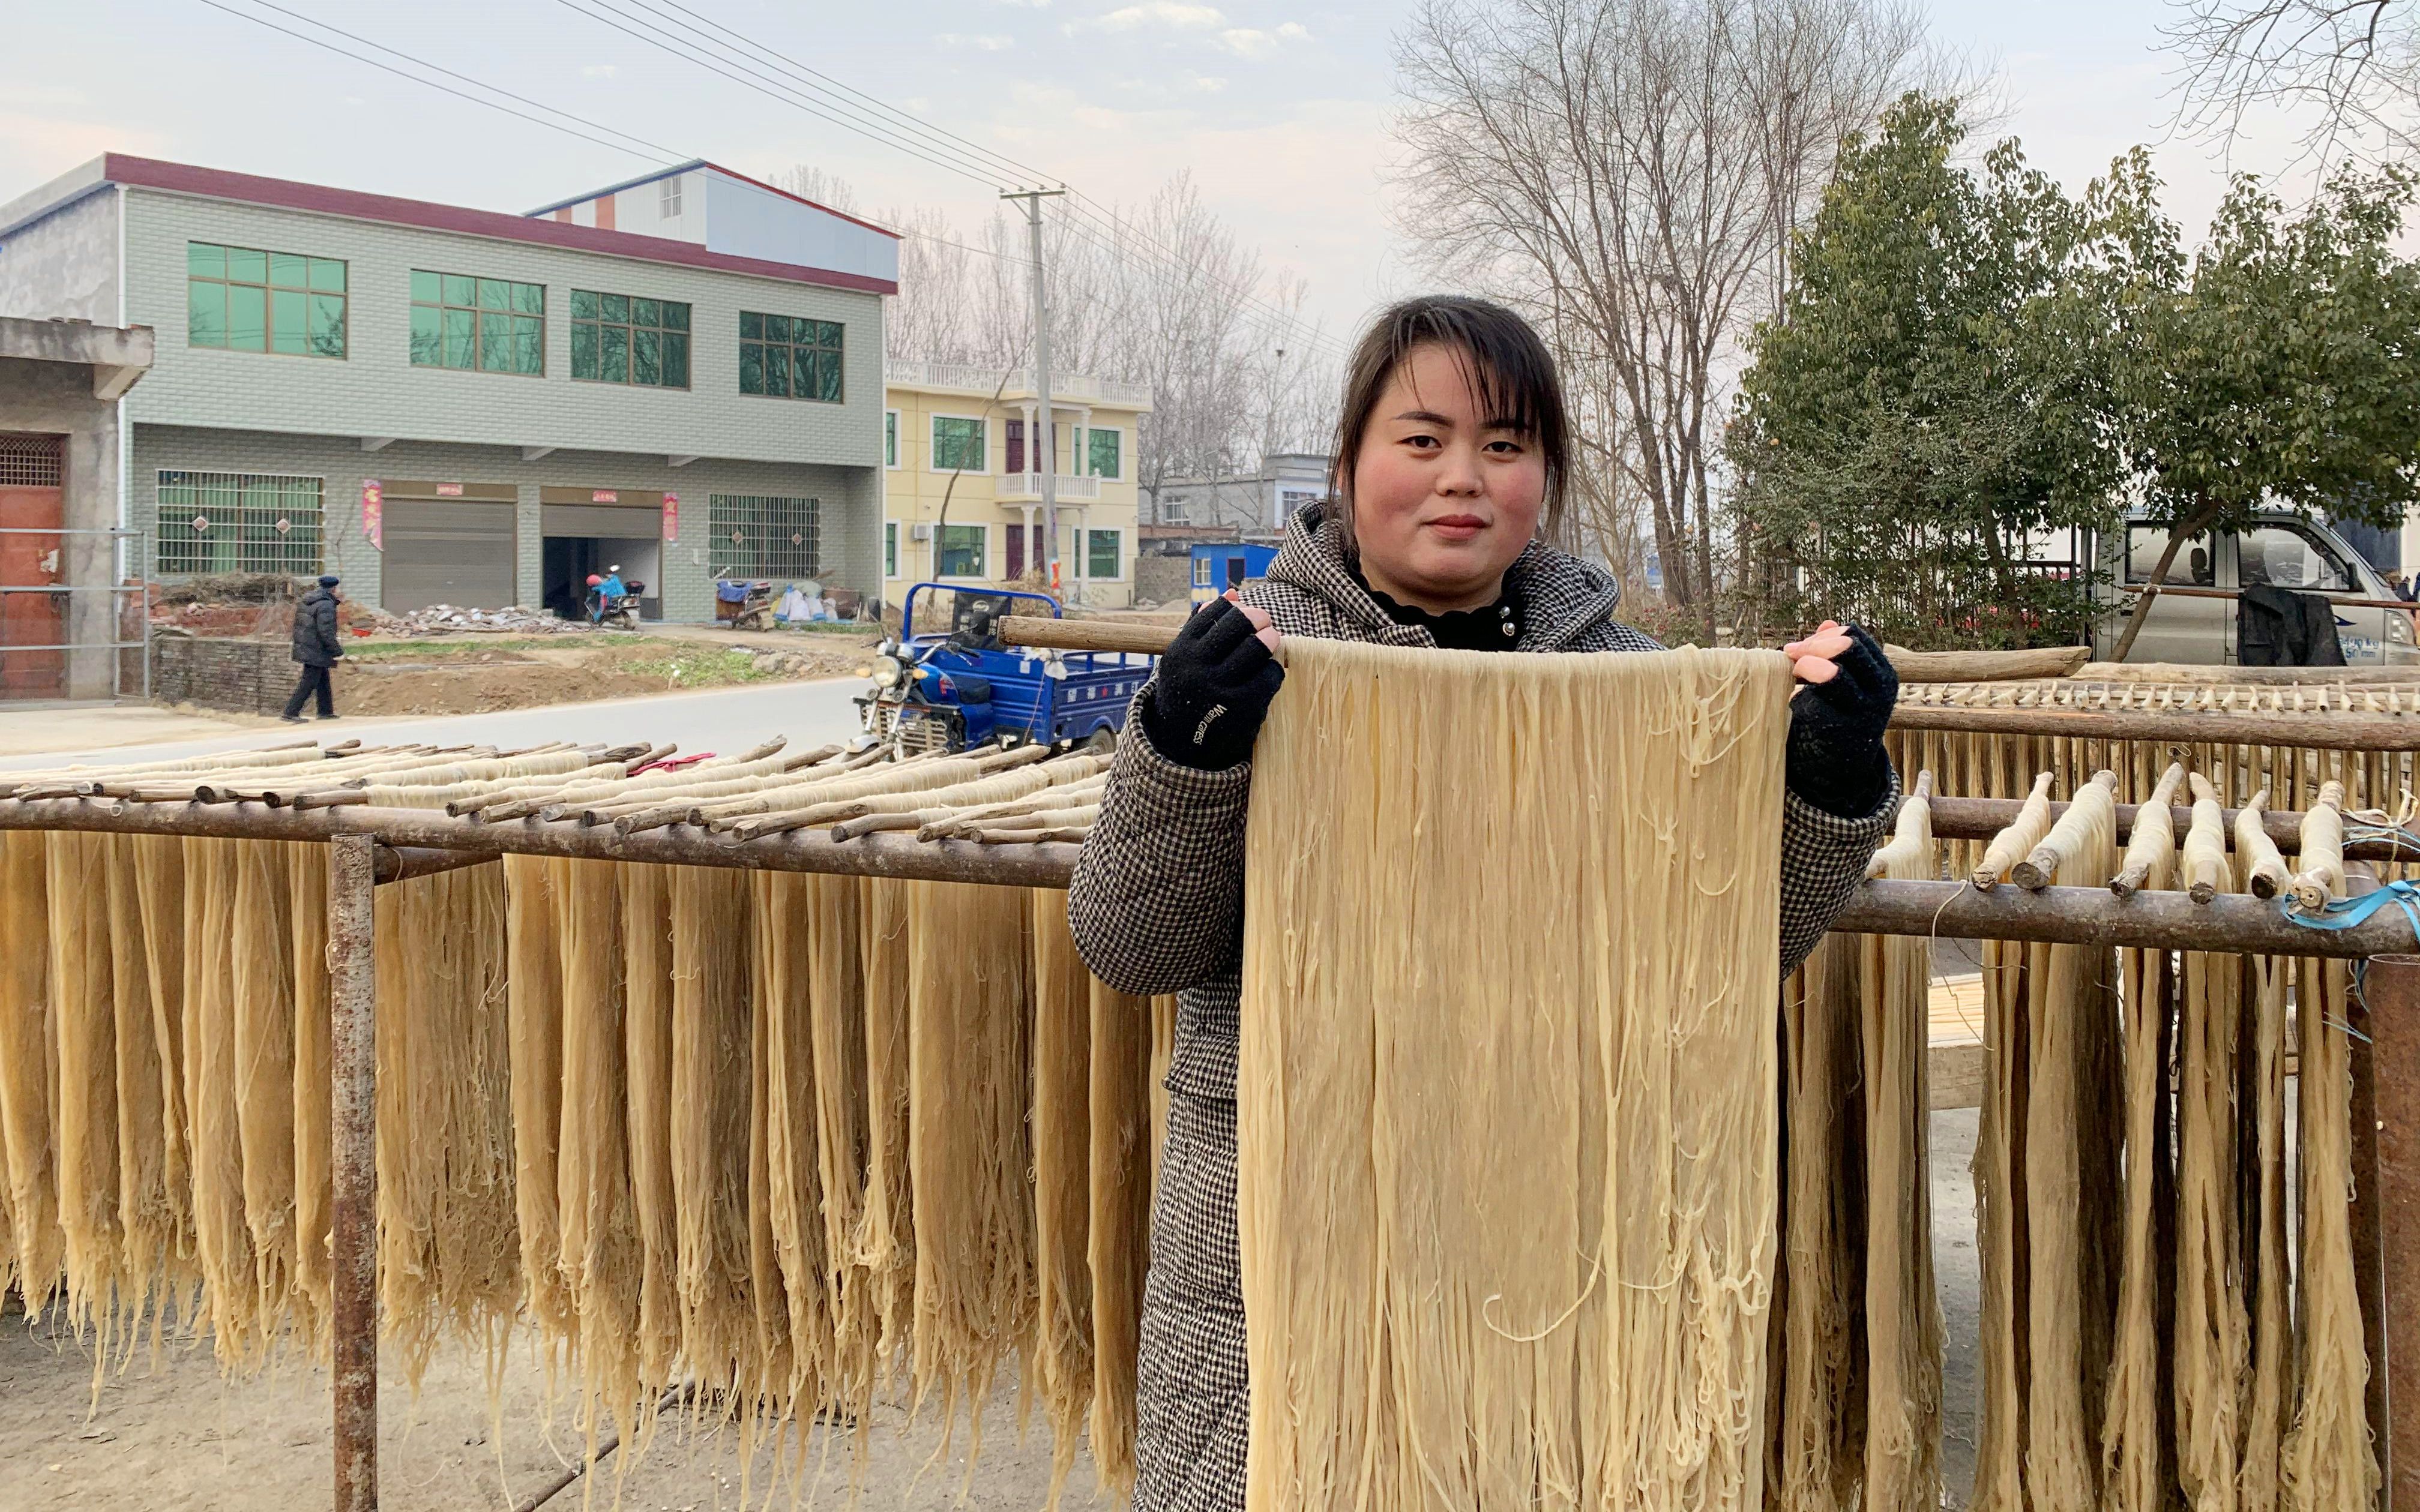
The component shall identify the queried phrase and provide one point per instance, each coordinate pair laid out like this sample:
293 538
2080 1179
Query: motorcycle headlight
888 672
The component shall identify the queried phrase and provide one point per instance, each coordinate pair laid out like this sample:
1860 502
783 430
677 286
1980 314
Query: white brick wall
850 519
377 392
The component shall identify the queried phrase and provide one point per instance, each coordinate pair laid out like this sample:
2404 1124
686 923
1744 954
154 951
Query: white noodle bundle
449 1249
970 1003
1062 1179
648 1075
1507 1176
1902 1309
1123 1159
27 1059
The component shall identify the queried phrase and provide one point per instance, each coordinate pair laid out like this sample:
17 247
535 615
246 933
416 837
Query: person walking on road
317 649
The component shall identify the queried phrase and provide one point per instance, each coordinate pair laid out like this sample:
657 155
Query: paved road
722 721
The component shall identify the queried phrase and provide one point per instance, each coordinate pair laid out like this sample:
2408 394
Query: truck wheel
1103 740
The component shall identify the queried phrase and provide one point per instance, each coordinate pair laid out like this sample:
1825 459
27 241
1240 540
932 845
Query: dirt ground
478 675
171 1434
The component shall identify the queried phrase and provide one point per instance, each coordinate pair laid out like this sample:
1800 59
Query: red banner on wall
672 517
374 513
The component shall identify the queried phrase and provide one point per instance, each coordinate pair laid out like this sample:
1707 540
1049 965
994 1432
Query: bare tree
2353 64
821 185
1162 294
1629 173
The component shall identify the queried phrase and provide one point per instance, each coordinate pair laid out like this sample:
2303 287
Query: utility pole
1042 449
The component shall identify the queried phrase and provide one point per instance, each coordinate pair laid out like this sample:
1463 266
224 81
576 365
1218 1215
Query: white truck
2192 619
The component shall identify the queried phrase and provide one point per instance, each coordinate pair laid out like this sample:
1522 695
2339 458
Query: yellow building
962 481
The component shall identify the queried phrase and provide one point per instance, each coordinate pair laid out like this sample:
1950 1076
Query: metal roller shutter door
448 552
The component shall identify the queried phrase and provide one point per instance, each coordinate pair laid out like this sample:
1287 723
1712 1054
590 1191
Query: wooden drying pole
352 998
1045 633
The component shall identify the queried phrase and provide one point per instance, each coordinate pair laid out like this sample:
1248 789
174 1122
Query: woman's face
1444 497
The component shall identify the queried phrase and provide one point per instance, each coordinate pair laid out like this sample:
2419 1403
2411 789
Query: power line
939 140
1089 225
1121 236
939 133
656 150
387 68
785 94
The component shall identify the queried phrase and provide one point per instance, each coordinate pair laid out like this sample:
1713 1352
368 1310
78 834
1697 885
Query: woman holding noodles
1451 450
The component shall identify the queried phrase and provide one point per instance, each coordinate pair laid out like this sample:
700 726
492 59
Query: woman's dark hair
1511 370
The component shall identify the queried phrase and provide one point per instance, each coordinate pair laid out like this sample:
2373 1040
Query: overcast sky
1279 108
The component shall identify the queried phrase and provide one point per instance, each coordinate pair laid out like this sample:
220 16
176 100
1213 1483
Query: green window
789 357
959 550
619 338
891 437
485 325
1103 447
238 523
1101 553
890 548
242 300
752 535
959 444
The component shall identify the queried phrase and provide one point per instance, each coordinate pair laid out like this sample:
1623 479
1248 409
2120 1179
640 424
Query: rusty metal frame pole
2391 988
352 998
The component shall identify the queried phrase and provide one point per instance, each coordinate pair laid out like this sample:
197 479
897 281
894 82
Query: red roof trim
801 199
149 173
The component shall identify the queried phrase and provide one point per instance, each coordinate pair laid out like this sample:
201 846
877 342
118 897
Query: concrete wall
849 521
376 391
65 264
56 399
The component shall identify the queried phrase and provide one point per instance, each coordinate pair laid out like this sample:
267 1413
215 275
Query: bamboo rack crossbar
1948 910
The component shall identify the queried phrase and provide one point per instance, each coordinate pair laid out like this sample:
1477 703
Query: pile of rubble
439 619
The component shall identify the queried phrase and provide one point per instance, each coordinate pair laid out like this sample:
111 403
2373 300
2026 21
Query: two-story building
681 376
962 480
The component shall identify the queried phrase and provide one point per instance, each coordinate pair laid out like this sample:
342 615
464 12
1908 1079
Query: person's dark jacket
2279 627
315 629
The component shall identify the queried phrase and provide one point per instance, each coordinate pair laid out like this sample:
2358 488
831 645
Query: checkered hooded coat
1158 907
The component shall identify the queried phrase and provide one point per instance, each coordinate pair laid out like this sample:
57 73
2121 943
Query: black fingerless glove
1215 684
1835 759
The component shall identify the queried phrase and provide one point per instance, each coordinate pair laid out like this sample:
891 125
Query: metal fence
213 522
87 628
757 536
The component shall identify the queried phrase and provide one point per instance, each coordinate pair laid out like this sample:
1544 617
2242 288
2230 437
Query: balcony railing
1065 387
1029 485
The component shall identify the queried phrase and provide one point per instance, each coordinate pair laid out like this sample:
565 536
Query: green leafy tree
2283 372
1938 386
